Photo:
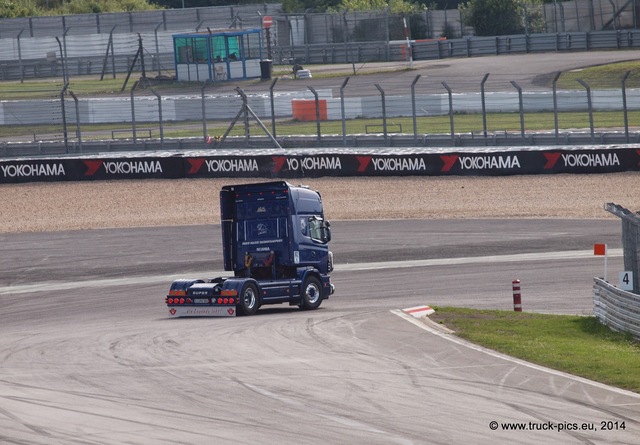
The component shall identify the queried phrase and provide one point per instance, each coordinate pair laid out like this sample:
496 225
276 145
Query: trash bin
266 67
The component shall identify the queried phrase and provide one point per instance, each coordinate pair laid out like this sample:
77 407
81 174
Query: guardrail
468 46
616 308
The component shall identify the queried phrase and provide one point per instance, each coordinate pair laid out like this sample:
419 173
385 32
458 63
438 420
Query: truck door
313 243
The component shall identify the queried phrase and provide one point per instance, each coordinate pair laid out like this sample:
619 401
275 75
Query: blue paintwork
274 235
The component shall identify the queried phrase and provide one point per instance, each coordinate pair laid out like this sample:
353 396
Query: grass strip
464 123
578 345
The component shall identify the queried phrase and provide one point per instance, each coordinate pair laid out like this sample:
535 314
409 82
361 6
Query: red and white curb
419 311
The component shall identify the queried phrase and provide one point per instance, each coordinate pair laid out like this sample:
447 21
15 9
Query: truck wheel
311 294
248 299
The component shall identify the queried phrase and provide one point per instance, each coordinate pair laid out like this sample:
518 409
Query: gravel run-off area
35 207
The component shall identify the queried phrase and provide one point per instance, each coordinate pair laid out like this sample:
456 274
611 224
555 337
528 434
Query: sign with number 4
626 280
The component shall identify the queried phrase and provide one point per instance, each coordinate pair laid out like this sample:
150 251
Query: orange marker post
601 249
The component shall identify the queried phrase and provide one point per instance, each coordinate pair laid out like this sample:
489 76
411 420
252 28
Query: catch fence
474 109
106 44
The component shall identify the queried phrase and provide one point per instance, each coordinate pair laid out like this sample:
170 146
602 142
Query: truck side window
315 229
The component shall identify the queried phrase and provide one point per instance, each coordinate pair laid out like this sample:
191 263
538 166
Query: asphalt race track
89 355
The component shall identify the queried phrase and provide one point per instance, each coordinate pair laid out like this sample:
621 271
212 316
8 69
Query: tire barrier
283 164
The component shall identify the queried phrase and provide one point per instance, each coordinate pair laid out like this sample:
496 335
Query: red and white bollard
517 299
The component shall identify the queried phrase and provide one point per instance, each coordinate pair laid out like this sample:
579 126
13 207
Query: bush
502 17
9 9
14 9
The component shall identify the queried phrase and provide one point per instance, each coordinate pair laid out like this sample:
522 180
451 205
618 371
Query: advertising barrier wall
283 164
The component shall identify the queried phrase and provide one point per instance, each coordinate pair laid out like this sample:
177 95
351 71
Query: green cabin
218 55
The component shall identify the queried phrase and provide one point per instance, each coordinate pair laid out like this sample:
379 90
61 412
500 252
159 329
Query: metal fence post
159 116
77 105
317 113
62 59
64 118
344 123
555 106
453 135
64 56
348 47
20 57
113 53
413 106
484 108
245 108
273 108
384 113
584 84
133 111
521 107
106 56
155 31
625 111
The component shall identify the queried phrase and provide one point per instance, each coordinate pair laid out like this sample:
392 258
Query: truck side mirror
326 231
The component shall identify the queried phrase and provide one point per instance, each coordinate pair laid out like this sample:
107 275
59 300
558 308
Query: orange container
305 109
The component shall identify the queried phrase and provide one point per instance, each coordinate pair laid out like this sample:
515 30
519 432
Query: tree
395 6
501 17
177 4
9 9
38 8
309 5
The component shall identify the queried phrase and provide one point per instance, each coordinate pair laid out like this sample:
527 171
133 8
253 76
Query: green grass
577 345
602 76
463 123
51 88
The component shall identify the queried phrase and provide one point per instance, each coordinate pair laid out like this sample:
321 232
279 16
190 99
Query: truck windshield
319 230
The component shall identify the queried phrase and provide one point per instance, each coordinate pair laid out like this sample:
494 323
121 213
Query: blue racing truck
275 240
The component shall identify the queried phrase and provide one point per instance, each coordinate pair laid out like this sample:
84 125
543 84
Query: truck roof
306 201
275 185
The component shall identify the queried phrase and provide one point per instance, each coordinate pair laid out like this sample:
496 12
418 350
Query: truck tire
311 293
248 304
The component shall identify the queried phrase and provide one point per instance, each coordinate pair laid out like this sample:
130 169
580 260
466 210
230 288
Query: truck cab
275 241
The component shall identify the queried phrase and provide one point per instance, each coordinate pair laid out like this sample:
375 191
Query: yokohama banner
317 163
